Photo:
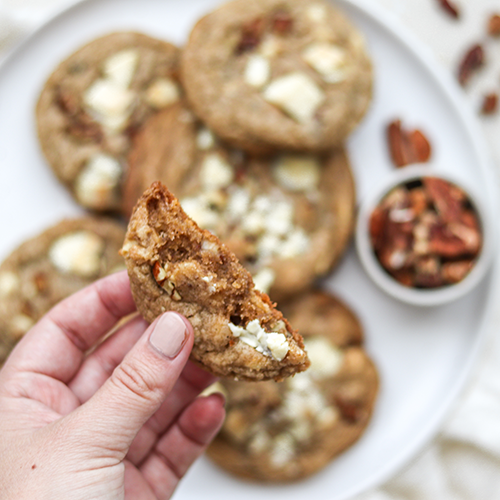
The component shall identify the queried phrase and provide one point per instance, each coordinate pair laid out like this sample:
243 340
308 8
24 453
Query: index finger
57 344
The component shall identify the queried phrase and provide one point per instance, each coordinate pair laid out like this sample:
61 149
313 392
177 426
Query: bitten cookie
48 268
270 74
176 266
286 432
287 218
92 106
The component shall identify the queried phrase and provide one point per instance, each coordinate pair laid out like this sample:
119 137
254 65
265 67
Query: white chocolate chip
9 283
109 103
326 358
21 324
283 450
281 220
316 12
271 344
238 204
120 67
96 186
328 60
264 279
296 243
216 173
297 172
297 94
205 139
197 209
257 71
162 92
270 47
78 253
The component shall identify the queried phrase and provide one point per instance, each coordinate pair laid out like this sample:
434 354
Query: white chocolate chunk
283 450
270 47
280 221
264 279
205 139
326 358
257 71
216 173
162 92
238 204
316 12
271 344
297 172
296 94
78 253
21 324
197 209
96 186
296 243
9 283
109 103
328 60
120 67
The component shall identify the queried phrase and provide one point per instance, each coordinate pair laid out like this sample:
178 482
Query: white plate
424 355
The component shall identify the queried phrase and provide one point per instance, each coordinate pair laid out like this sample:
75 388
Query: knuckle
137 380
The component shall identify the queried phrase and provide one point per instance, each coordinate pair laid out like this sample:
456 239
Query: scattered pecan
251 35
282 22
450 8
407 147
490 104
41 282
494 25
447 201
454 272
471 62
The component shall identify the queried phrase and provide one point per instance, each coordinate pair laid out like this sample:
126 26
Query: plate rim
448 86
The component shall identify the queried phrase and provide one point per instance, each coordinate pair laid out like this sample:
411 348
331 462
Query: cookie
288 218
176 266
95 102
286 432
270 74
51 266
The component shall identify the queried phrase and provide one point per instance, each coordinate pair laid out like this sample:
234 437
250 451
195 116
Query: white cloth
463 461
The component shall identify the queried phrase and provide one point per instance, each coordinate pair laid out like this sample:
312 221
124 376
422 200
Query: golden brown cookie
51 266
95 102
176 266
270 74
288 431
288 218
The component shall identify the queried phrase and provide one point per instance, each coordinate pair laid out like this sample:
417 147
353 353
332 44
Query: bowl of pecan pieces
423 238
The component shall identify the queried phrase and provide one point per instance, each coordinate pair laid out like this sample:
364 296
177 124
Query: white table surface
463 461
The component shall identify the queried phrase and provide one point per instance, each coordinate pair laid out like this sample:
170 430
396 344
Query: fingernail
169 335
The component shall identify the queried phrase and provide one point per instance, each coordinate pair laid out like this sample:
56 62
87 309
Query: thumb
139 385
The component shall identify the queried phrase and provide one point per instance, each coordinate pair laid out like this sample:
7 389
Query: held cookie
286 432
94 103
270 74
48 268
176 266
287 218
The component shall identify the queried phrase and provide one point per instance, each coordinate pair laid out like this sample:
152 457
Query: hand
122 422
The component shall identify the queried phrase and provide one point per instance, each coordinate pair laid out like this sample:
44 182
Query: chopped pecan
407 147
490 104
350 411
67 102
447 199
471 62
251 35
454 272
84 128
450 8
418 201
494 25
41 282
282 22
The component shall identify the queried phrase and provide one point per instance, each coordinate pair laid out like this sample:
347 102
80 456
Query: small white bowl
422 296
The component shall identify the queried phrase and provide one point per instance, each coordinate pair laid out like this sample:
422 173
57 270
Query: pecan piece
471 62
421 147
350 411
251 35
450 8
282 22
454 272
494 25
447 199
490 104
41 282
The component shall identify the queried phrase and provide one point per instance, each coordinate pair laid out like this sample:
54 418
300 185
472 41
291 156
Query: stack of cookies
246 127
